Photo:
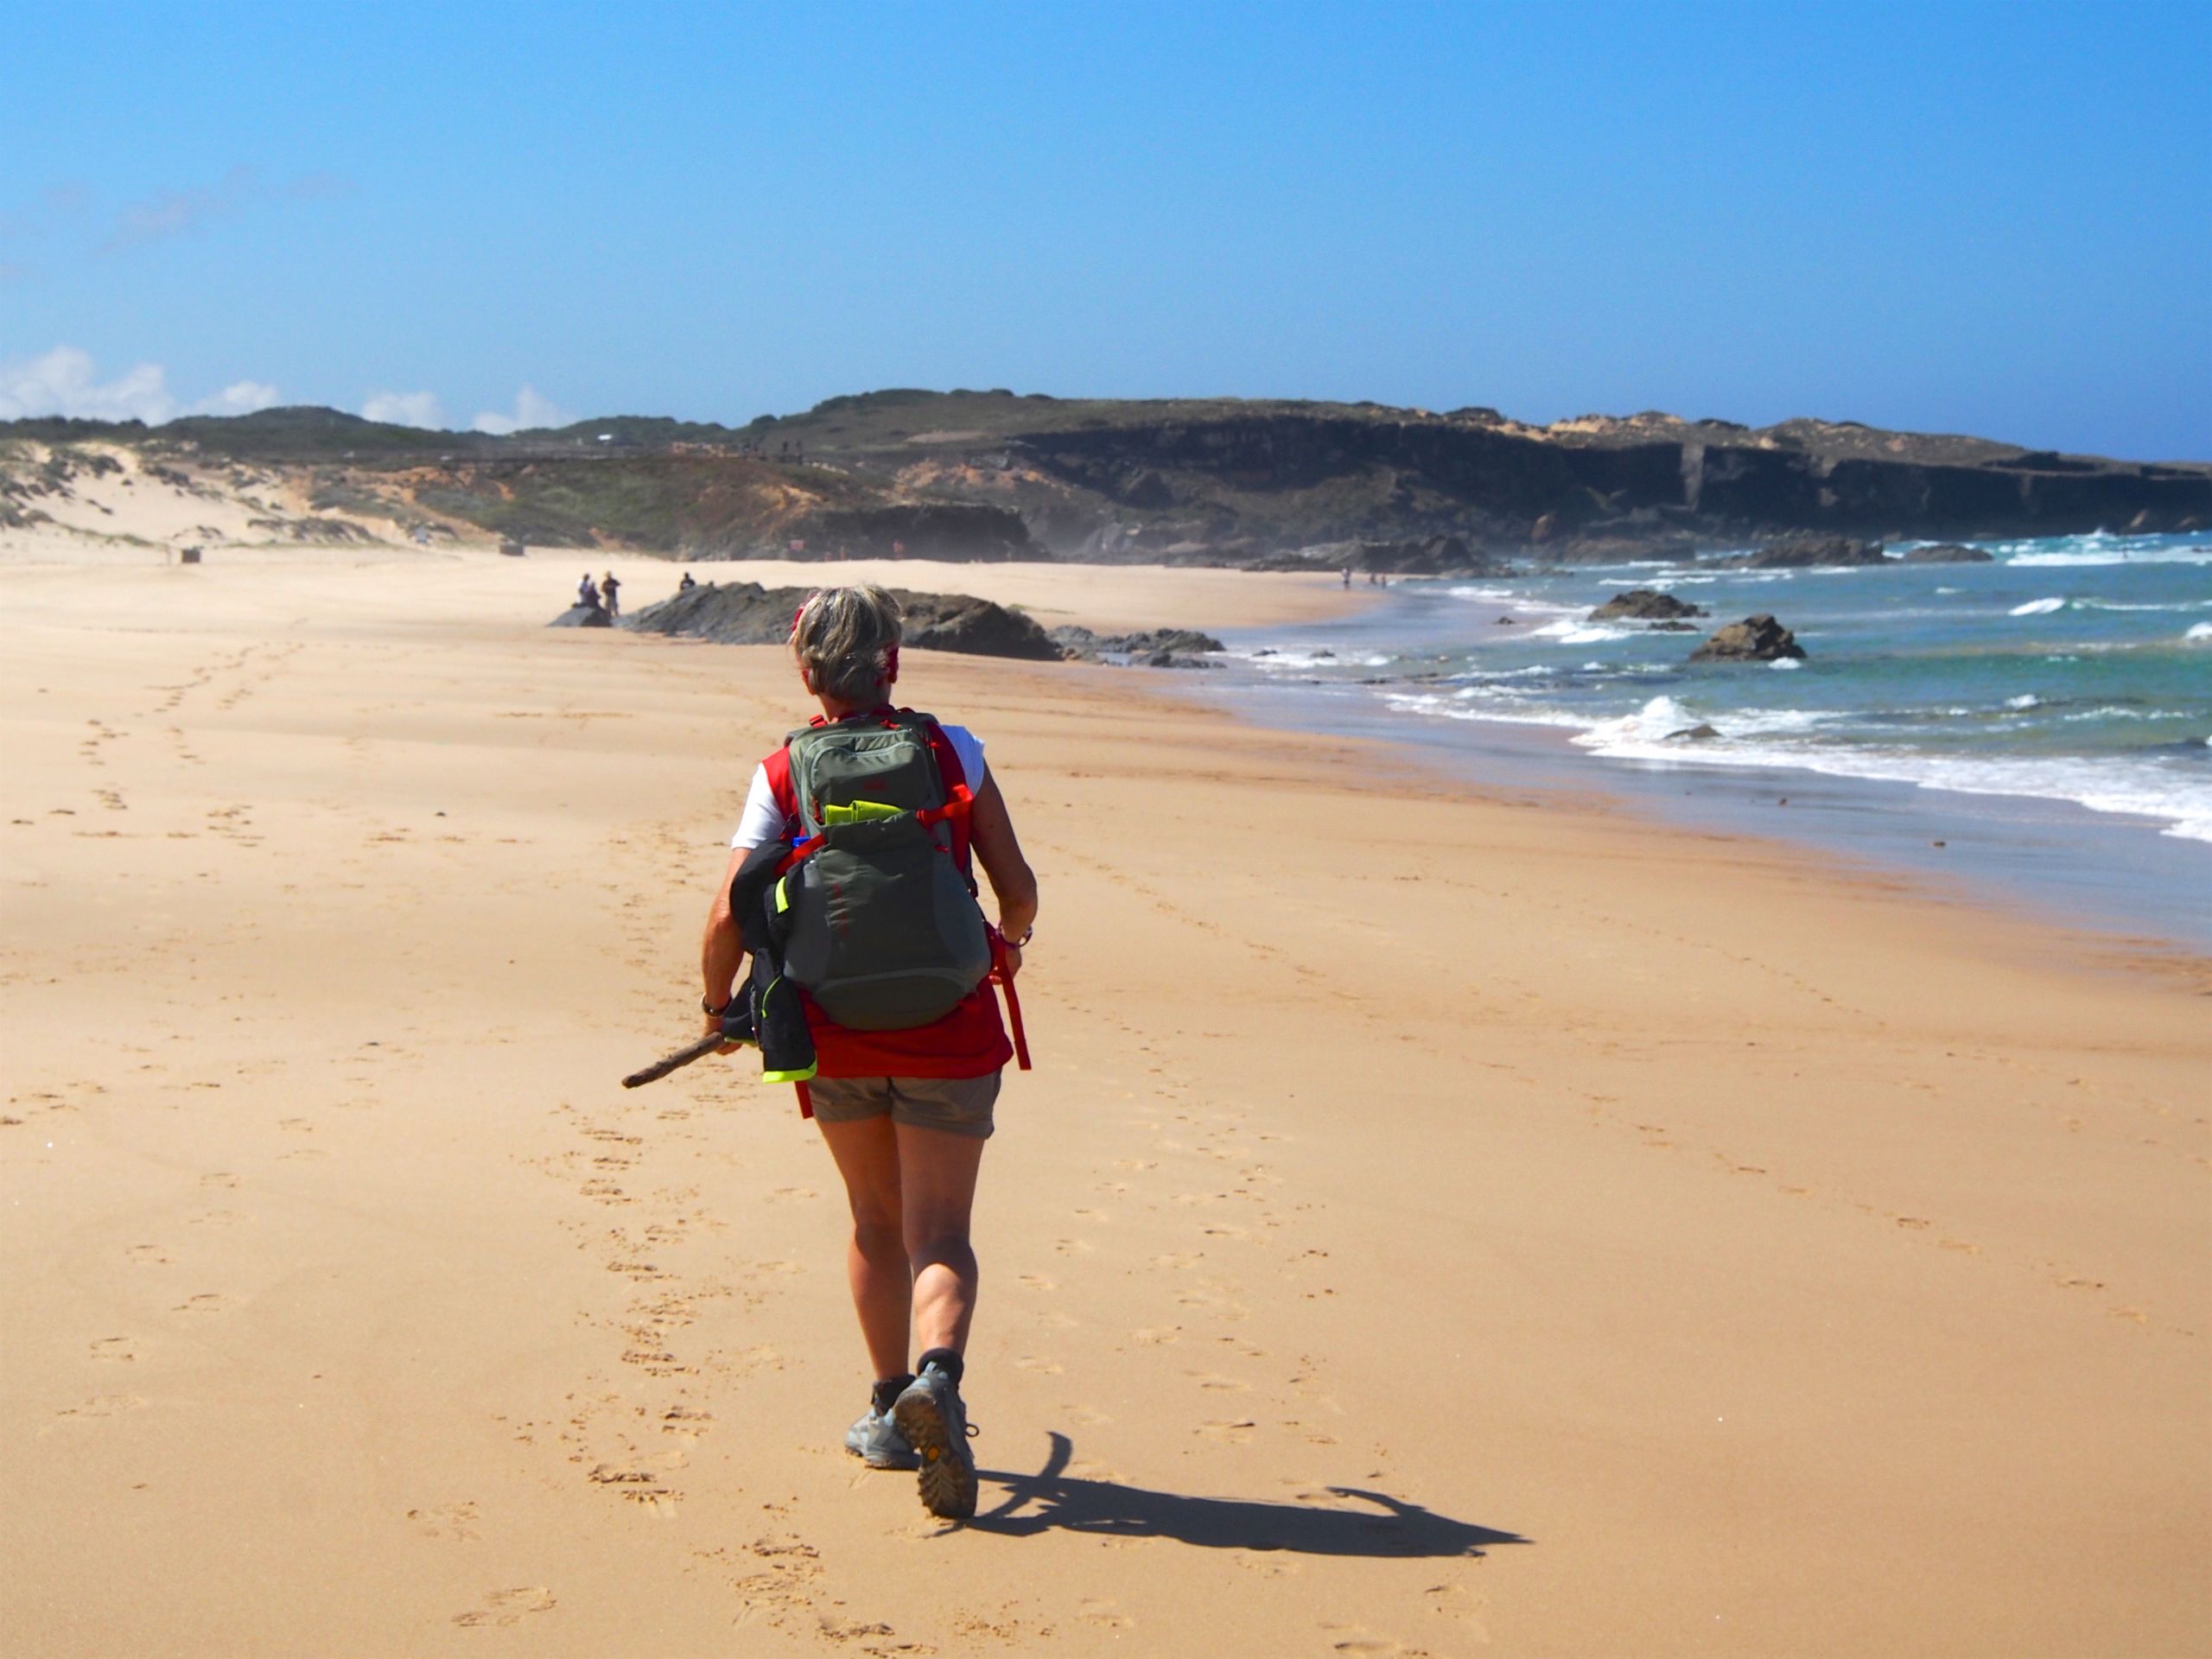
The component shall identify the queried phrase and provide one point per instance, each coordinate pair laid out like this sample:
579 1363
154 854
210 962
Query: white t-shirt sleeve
762 820
968 748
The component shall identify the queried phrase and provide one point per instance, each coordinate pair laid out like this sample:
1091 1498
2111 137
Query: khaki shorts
956 1105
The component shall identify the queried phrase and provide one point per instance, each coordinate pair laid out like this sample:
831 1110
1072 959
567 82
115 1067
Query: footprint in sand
149 1255
118 1348
1103 1612
1037 1362
105 1405
206 1302
508 1606
1038 1282
455 1521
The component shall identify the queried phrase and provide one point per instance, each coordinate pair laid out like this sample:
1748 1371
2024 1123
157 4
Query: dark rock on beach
1947 553
1700 733
746 613
581 616
1644 605
1755 639
1159 648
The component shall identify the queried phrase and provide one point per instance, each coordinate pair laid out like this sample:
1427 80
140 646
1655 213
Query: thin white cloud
173 212
532 409
405 409
241 397
67 381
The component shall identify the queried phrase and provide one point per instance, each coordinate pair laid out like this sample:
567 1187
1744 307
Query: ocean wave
2037 608
2146 789
2199 632
1272 661
2043 559
1569 633
2025 700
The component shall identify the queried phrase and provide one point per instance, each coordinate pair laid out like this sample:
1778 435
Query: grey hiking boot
876 1441
930 1414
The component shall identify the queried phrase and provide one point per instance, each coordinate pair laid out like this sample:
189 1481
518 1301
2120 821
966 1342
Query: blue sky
1994 219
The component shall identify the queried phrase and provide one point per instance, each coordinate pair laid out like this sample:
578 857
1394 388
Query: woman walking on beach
905 1113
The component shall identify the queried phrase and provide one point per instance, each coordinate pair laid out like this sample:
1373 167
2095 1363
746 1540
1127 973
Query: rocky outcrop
952 531
1946 553
581 616
746 613
1755 639
1644 605
1160 648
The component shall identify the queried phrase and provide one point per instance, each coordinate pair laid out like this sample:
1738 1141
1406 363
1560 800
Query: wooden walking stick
676 1062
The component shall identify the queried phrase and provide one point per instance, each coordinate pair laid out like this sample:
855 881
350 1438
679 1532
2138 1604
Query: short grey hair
844 637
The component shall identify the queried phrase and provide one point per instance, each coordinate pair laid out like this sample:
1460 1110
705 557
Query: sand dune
1437 1221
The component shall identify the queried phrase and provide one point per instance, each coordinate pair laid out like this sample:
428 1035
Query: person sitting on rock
687 584
588 593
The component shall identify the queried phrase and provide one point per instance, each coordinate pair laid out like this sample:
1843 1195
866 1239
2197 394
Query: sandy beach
1438 1221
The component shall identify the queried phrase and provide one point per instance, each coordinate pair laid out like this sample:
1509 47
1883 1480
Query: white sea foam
1776 738
2144 789
2025 700
2036 557
2198 632
1277 661
1569 633
2038 608
1785 663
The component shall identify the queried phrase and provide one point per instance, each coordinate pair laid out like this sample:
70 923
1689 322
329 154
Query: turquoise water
2074 671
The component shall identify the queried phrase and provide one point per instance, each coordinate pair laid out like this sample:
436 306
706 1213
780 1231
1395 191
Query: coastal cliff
990 475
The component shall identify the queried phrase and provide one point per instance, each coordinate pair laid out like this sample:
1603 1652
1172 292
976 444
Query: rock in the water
581 616
1755 639
1947 553
1806 552
1159 648
1644 605
746 613
1697 734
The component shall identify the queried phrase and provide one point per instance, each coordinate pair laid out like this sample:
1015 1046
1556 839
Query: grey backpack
884 931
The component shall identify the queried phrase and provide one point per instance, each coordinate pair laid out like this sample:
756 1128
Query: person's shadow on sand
1049 1499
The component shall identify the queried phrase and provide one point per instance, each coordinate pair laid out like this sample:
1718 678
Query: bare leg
875 1261
937 1173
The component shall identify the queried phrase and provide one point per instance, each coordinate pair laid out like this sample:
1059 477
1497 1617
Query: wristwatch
711 1011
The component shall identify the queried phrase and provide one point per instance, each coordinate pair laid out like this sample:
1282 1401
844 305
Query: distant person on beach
612 591
1347 576
588 593
904 1112
687 584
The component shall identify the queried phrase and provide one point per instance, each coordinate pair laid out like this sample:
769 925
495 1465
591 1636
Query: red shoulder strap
955 782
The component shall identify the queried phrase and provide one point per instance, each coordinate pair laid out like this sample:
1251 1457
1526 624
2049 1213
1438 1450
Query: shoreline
1801 1264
